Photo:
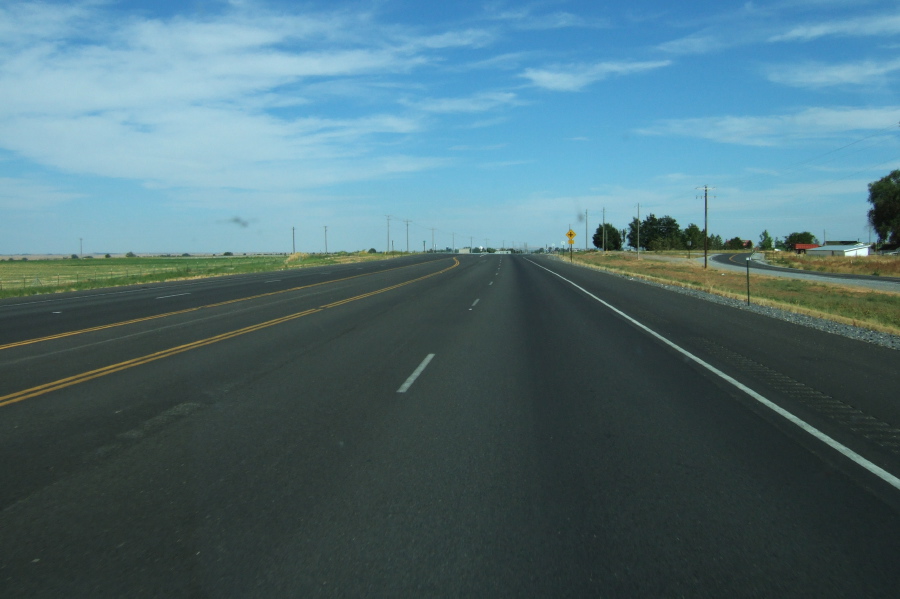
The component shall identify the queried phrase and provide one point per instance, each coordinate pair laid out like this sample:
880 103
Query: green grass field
32 277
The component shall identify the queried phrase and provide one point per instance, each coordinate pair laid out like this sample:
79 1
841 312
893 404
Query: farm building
857 249
802 248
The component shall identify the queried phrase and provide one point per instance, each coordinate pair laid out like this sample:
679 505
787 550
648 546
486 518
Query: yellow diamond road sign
571 236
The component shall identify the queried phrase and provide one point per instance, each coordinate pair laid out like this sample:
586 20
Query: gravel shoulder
822 324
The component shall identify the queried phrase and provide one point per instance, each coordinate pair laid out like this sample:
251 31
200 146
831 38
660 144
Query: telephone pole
705 189
326 239
639 233
388 247
407 235
432 239
585 230
293 241
604 230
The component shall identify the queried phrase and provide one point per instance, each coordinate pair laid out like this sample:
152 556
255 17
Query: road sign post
571 235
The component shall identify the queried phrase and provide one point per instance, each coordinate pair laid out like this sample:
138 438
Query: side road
722 262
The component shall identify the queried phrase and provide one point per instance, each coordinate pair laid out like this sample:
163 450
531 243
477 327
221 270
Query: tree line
659 234
663 233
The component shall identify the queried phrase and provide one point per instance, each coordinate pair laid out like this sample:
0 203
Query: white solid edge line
802 424
475 303
412 378
176 295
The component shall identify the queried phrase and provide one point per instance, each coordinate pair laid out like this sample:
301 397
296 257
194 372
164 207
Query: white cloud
816 75
693 44
876 25
576 77
186 103
477 103
26 194
775 130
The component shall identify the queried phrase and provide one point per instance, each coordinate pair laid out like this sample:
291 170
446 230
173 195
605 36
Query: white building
857 249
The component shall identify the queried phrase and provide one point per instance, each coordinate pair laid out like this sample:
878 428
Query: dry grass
876 310
885 266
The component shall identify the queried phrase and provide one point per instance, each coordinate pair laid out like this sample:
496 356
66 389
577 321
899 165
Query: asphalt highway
503 426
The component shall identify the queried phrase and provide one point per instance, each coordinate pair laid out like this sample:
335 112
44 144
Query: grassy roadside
875 310
32 277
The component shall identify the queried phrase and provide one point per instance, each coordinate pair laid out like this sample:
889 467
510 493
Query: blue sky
210 126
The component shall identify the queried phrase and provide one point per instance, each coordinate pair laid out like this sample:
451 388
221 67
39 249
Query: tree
735 243
716 243
130 255
694 235
633 233
794 238
884 195
613 239
765 241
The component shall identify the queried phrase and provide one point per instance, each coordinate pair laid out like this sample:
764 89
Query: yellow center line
187 310
106 370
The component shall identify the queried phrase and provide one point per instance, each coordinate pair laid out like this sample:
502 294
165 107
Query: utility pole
80 247
326 239
293 241
407 235
604 230
639 233
388 246
470 243
706 189
432 239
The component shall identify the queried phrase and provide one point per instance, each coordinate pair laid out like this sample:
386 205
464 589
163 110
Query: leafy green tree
765 241
693 234
735 243
794 238
632 235
130 255
613 238
716 243
884 195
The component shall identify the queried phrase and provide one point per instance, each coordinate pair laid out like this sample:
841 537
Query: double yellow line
187 310
106 370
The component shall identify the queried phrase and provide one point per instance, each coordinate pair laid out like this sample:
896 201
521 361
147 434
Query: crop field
876 310
32 277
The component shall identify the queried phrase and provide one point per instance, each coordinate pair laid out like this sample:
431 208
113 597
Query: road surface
446 426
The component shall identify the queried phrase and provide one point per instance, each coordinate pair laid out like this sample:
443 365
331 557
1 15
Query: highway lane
39 316
549 447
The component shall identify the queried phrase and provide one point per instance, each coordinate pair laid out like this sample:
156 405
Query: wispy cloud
576 77
812 123
693 44
528 18
815 75
477 103
205 103
26 194
875 25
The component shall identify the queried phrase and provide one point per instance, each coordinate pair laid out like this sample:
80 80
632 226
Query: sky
252 125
